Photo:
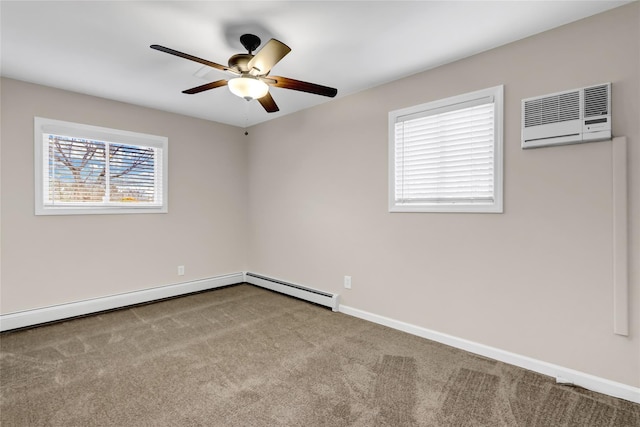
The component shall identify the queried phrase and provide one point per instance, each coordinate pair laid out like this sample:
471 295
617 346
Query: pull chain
246 117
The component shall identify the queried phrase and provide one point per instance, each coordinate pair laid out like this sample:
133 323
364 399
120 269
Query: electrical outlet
347 282
181 270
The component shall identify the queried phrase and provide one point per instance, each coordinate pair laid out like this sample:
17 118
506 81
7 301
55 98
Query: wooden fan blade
301 86
208 86
268 56
268 103
189 57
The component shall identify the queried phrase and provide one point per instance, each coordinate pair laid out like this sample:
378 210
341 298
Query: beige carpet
244 356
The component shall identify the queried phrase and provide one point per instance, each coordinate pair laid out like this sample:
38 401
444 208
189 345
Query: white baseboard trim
37 316
562 374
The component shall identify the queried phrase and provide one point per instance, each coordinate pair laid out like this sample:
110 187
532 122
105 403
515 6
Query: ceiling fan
251 72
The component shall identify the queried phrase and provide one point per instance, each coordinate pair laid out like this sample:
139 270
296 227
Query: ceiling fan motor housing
239 62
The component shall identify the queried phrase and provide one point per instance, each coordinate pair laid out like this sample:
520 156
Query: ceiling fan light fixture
248 88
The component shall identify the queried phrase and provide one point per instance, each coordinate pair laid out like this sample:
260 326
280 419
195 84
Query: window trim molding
43 126
442 105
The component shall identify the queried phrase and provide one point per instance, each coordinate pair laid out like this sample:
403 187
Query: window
82 169
446 156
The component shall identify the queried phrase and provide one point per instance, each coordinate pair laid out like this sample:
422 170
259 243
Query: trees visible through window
106 175
78 172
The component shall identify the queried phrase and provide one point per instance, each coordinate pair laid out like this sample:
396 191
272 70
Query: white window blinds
445 156
82 169
79 173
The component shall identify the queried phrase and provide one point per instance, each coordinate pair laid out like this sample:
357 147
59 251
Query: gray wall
49 260
536 280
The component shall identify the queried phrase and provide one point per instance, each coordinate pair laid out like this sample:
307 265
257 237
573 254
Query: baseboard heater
308 294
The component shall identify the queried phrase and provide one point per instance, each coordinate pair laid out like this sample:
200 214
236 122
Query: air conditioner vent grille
552 109
567 117
596 101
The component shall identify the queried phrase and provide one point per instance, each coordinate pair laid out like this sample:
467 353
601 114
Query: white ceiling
102 48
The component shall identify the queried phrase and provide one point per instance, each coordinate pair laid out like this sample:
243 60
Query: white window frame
44 127
449 104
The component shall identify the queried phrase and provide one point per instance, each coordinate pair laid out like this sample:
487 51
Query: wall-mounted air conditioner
570 117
